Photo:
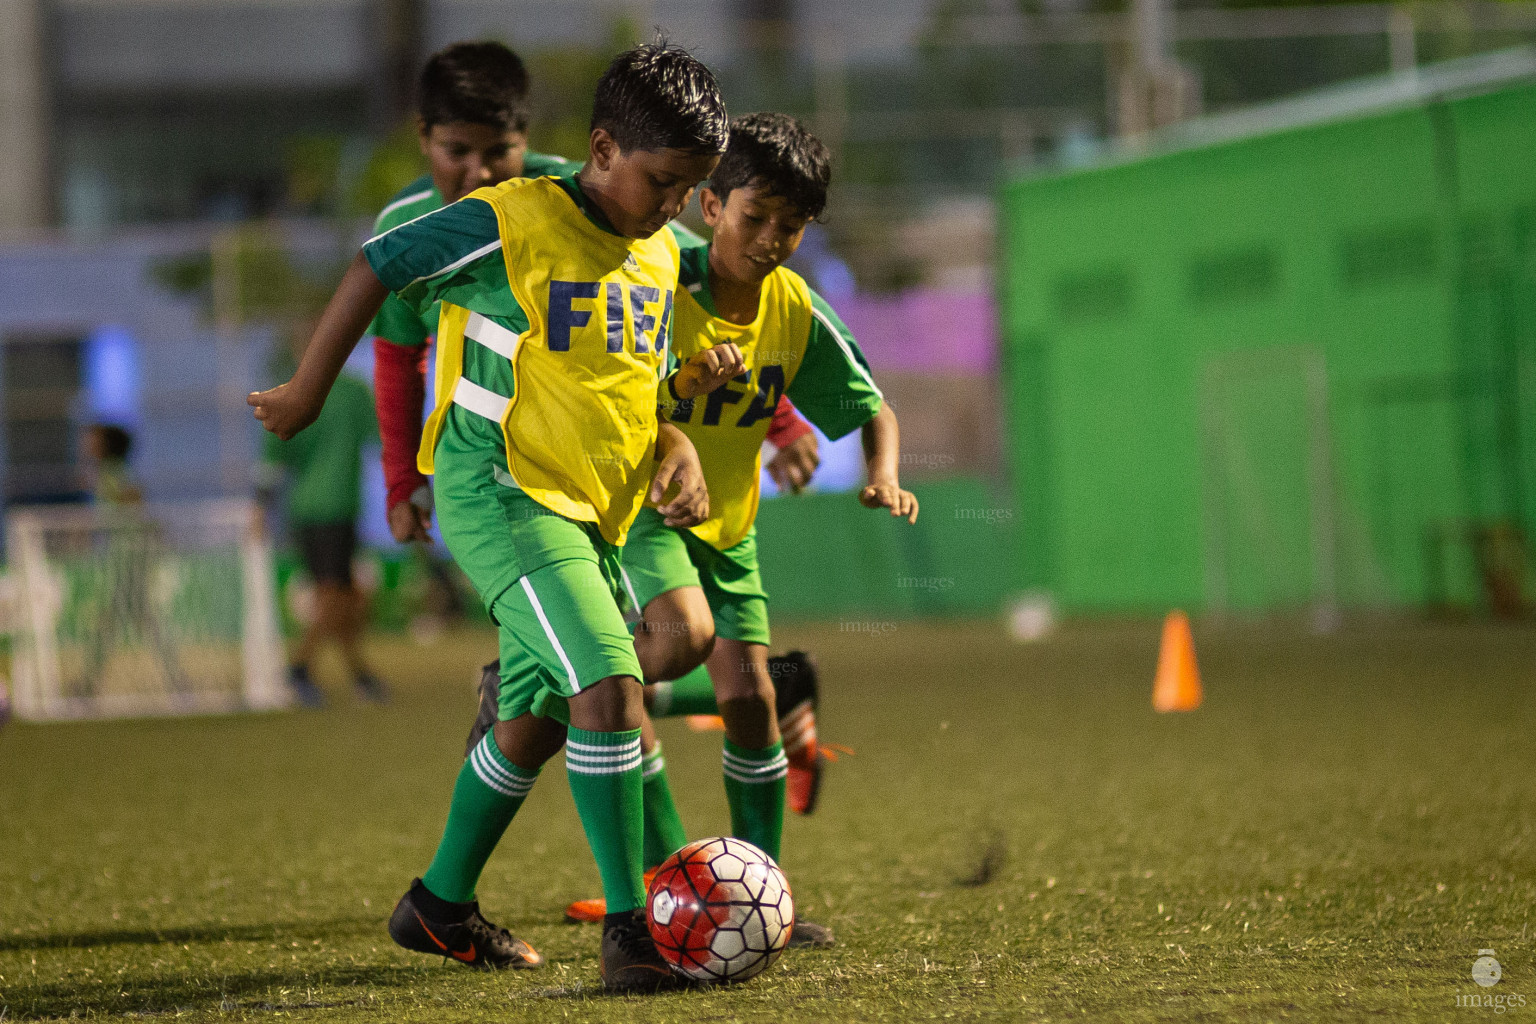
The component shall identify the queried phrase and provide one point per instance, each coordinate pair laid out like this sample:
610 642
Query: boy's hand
679 466
891 496
795 463
408 521
709 369
286 409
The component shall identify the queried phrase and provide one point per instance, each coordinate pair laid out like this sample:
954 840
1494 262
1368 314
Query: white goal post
159 609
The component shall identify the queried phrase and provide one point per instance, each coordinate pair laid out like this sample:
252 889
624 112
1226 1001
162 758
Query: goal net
148 610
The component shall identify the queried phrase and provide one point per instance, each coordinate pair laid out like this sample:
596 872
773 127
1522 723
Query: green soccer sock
604 772
486 796
694 694
754 787
664 833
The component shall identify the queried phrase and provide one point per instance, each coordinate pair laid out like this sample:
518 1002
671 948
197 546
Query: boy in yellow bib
699 587
557 295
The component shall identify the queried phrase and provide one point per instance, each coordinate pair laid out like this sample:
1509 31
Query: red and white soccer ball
720 910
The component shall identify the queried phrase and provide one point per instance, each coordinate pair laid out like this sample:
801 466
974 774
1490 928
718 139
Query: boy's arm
452 254
799 453
289 408
706 371
400 392
882 455
677 463
836 391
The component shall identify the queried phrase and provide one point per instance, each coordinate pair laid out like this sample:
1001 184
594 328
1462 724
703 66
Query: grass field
1334 836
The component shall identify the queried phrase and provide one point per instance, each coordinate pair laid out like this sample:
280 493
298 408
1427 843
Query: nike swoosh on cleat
467 958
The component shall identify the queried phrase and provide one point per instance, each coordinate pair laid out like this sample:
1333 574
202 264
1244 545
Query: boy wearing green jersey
699 587
472 125
556 302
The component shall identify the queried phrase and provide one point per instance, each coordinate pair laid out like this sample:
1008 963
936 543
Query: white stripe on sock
618 769
486 770
753 780
754 771
592 752
489 757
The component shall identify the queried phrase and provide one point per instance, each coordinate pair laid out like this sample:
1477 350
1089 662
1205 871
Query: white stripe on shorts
549 631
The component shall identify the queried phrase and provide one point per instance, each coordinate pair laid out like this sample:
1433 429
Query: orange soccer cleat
593 911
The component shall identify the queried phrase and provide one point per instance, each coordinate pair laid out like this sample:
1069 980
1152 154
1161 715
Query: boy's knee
614 704
680 646
528 740
698 643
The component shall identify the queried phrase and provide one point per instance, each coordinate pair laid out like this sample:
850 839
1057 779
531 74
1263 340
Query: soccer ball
720 910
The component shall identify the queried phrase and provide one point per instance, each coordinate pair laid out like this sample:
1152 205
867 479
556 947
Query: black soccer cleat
473 941
630 962
810 935
794 682
490 694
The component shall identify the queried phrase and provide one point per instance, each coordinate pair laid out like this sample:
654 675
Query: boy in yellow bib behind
699 586
557 297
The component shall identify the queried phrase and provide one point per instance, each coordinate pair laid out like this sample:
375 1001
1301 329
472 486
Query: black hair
116 442
775 152
658 96
482 83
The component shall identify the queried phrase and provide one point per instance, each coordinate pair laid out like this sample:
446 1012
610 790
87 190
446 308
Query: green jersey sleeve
400 324
450 255
833 387
538 165
686 237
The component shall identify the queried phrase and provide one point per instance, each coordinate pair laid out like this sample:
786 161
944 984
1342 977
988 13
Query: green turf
1334 836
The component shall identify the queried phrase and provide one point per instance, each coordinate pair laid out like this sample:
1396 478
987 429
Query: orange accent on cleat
586 911
706 723
593 911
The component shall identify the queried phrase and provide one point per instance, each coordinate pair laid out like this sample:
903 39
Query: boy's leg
664 833
493 782
754 762
569 619
439 915
690 694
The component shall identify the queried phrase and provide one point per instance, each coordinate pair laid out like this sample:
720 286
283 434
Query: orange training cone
1178 677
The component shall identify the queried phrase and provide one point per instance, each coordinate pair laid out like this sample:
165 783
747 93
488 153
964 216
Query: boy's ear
710 205
603 149
423 134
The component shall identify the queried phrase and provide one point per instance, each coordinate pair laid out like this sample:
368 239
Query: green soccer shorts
551 584
560 630
658 558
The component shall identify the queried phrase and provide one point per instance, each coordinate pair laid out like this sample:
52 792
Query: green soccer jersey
325 461
396 321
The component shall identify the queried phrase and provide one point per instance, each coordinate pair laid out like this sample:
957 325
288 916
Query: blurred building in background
184 176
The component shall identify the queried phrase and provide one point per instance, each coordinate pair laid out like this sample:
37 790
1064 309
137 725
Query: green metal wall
825 556
1272 371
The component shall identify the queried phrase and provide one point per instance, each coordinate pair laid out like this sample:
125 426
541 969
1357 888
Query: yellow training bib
580 426
728 425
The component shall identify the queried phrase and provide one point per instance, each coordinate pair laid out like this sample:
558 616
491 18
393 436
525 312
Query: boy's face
754 231
645 188
465 156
